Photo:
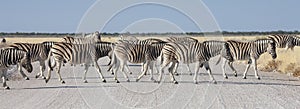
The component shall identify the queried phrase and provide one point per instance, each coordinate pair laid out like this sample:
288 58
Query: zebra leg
197 67
223 69
86 68
58 72
145 69
21 72
99 71
163 66
116 68
189 70
123 63
156 67
247 68
4 72
255 69
127 68
206 65
232 68
42 69
171 72
151 69
175 68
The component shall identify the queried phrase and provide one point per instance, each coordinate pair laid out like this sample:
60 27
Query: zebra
285 41
184 40
186 53
214 48
11 56
157 45
78 54
250 51
91 38
191 53
38 52
136 53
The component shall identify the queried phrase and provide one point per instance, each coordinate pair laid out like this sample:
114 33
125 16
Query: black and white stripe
78 54
286 41
11 56
183 40
250 51
139 52
38 52
190 53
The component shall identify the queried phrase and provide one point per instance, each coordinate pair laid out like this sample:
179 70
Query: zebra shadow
64 87
258 83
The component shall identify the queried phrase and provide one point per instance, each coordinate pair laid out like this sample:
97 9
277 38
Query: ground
274 90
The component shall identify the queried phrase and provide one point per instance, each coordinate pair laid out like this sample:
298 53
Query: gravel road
274 90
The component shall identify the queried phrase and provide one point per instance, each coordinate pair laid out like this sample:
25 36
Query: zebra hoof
151 79
258 78
214 82
63 82
104 80
130 73
176 74
191 74
36 76
26 78
195 82
7 79
112 73
6 87
137 80
85 81
235 75
226 77
46 80
43 77
127 80
117 81
175 82
244 77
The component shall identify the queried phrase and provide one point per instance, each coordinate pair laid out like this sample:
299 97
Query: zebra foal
10 56
250 51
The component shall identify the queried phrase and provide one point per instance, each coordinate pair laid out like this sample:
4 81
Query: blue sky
67 15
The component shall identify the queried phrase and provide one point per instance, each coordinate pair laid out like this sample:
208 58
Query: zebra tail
113 60
49 61
161 58
219 60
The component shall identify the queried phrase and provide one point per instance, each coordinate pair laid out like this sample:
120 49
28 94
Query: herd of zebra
171 52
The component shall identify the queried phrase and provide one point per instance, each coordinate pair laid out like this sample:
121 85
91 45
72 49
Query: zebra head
26 62
272 48
97 35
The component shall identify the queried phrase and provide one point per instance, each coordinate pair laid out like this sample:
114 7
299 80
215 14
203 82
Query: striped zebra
157 45
91 38
286 41
250 51
191 53
184 40
135 53
11 56
38 52
78 54
214 48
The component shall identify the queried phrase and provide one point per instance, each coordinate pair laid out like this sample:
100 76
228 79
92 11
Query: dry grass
286 62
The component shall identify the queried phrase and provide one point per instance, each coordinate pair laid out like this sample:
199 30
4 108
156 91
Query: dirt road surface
274 90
